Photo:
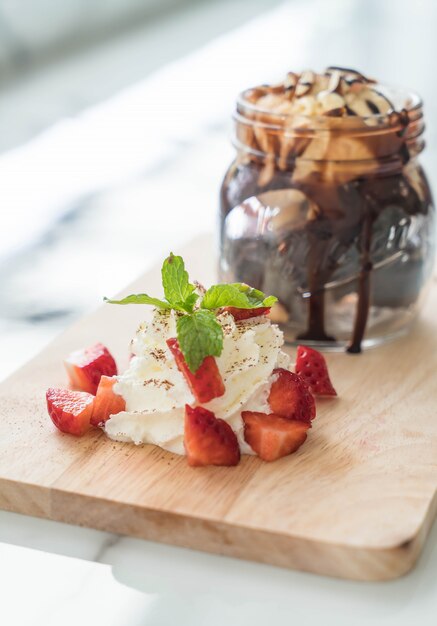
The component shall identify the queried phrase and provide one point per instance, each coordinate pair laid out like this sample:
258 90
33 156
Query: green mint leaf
199 336
256 297
269 301
190 302
219 296
141 298
236 295
177 287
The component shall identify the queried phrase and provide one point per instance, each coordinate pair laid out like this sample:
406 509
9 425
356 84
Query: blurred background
114 128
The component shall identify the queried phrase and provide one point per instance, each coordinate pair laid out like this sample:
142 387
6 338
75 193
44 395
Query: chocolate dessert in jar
327 207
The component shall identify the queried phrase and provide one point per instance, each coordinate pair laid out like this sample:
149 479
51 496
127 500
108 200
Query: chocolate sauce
363 304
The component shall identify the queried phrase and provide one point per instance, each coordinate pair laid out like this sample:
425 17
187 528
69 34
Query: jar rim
397 134
412 103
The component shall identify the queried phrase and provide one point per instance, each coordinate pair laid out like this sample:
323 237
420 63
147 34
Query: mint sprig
198 332
199 335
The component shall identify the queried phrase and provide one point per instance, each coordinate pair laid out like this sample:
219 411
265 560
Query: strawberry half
106 402
272 436
311 366
206 383
70 411
290 397
245 314
208 440
86 367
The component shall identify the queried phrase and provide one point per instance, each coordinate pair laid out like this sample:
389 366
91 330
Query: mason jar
334 216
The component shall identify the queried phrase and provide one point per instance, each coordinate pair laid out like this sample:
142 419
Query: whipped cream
156 392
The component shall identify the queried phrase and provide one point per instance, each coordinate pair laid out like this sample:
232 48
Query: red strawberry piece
106 402
245 314
290 397
86 367
206 383
272 436
209 440
70 411
311 366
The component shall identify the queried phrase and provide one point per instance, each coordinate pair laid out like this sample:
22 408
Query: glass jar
334 216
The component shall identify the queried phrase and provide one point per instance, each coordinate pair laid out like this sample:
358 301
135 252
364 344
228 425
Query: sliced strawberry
290 397
208 440
311 366
206 383
106 402
245 314
85 367
272 436
70 411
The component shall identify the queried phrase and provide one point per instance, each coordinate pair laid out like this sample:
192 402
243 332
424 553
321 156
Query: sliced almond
305 83
376 101
334 84
290 81
328 101
357 105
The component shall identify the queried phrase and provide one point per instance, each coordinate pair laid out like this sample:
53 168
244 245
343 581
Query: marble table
98 197
110 580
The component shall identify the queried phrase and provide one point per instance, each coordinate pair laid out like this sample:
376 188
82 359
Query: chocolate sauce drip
316 319
319 236
316 305
363 303
379 194
329 236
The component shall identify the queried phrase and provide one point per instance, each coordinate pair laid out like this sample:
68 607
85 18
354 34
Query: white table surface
113 581
104 195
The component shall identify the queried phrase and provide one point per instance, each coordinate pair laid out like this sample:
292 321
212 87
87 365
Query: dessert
207 378
327 207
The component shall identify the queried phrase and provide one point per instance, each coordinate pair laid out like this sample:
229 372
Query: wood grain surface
356 501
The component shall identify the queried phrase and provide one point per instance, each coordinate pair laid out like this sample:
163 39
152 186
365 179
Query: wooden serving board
356 501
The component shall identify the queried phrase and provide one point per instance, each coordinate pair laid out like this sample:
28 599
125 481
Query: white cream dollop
156 392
